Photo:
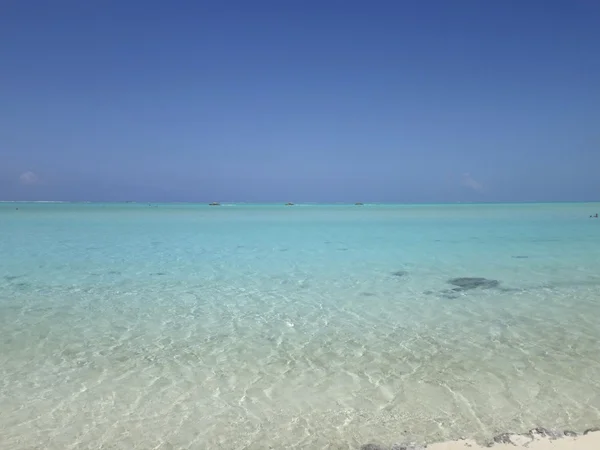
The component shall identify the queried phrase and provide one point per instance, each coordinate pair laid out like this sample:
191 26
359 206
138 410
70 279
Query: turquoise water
314 326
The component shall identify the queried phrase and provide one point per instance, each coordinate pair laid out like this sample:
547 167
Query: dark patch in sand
114 272
546 432
283 249
12 277
520 256
503 438
372 447
342 249
158 274
505 289
367 294
469 283
400 273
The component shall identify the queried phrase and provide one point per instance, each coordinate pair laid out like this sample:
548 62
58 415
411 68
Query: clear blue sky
398 101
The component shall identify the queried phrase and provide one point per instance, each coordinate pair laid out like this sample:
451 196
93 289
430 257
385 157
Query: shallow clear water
245 326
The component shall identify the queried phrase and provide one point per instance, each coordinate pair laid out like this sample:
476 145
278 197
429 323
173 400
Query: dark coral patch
400 273
469 283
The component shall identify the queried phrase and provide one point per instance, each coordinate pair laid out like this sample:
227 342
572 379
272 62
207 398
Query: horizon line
284 203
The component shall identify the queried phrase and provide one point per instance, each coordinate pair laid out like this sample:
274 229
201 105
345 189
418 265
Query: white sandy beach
532 441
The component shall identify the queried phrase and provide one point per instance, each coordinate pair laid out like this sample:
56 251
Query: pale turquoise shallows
310 326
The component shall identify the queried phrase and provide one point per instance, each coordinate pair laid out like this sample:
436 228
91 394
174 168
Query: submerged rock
546 432
400 273
468 283
504 438
520 256
372 447
12 277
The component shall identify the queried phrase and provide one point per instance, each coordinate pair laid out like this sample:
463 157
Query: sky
300 100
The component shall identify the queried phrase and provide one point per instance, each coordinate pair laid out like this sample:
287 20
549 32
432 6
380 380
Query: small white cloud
471 183
29 178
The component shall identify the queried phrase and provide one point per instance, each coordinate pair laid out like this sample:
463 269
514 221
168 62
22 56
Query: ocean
176 326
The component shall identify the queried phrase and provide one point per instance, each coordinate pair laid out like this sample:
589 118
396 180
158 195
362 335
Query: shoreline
535 439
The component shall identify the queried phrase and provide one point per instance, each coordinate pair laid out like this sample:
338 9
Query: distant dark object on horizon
289 204
359 204
214 204
595 216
